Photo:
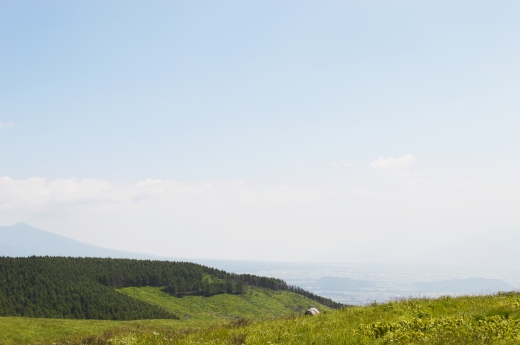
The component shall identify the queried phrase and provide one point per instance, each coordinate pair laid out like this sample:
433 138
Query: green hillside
201 311
254 303
463 320
85 288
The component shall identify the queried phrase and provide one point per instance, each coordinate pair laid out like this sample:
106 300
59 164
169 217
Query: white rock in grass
312 311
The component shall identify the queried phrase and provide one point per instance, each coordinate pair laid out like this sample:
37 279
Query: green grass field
255 303
468 320
22 330
196 312
463 320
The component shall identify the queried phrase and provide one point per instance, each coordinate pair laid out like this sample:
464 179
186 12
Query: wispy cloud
343 162
222 220
394 164
397 165
8 124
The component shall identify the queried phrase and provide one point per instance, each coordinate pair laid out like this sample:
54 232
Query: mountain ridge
21 239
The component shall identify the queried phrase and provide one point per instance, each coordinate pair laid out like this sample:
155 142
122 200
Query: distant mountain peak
22 239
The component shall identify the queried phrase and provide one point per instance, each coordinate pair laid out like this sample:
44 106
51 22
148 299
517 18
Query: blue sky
271 94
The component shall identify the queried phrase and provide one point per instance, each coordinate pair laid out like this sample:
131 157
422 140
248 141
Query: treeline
64 288
80 288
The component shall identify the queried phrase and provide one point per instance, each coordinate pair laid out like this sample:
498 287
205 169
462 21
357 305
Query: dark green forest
84 288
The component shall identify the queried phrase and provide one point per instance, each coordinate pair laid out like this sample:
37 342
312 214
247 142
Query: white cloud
342 162
397 165
244 221
4 125
394 164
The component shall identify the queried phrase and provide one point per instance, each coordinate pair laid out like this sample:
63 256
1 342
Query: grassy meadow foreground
493 319
195 311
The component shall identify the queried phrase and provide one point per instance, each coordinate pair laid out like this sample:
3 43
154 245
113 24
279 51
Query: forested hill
84 288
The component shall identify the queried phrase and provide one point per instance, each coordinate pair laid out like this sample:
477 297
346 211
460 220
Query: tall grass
491 319
196 312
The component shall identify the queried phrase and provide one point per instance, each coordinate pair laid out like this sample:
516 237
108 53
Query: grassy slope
22 330
465 320
255 303
203 311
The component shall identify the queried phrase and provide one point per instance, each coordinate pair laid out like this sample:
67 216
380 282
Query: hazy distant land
351 283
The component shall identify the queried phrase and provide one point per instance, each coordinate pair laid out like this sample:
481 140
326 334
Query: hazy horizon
265 131
354 282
